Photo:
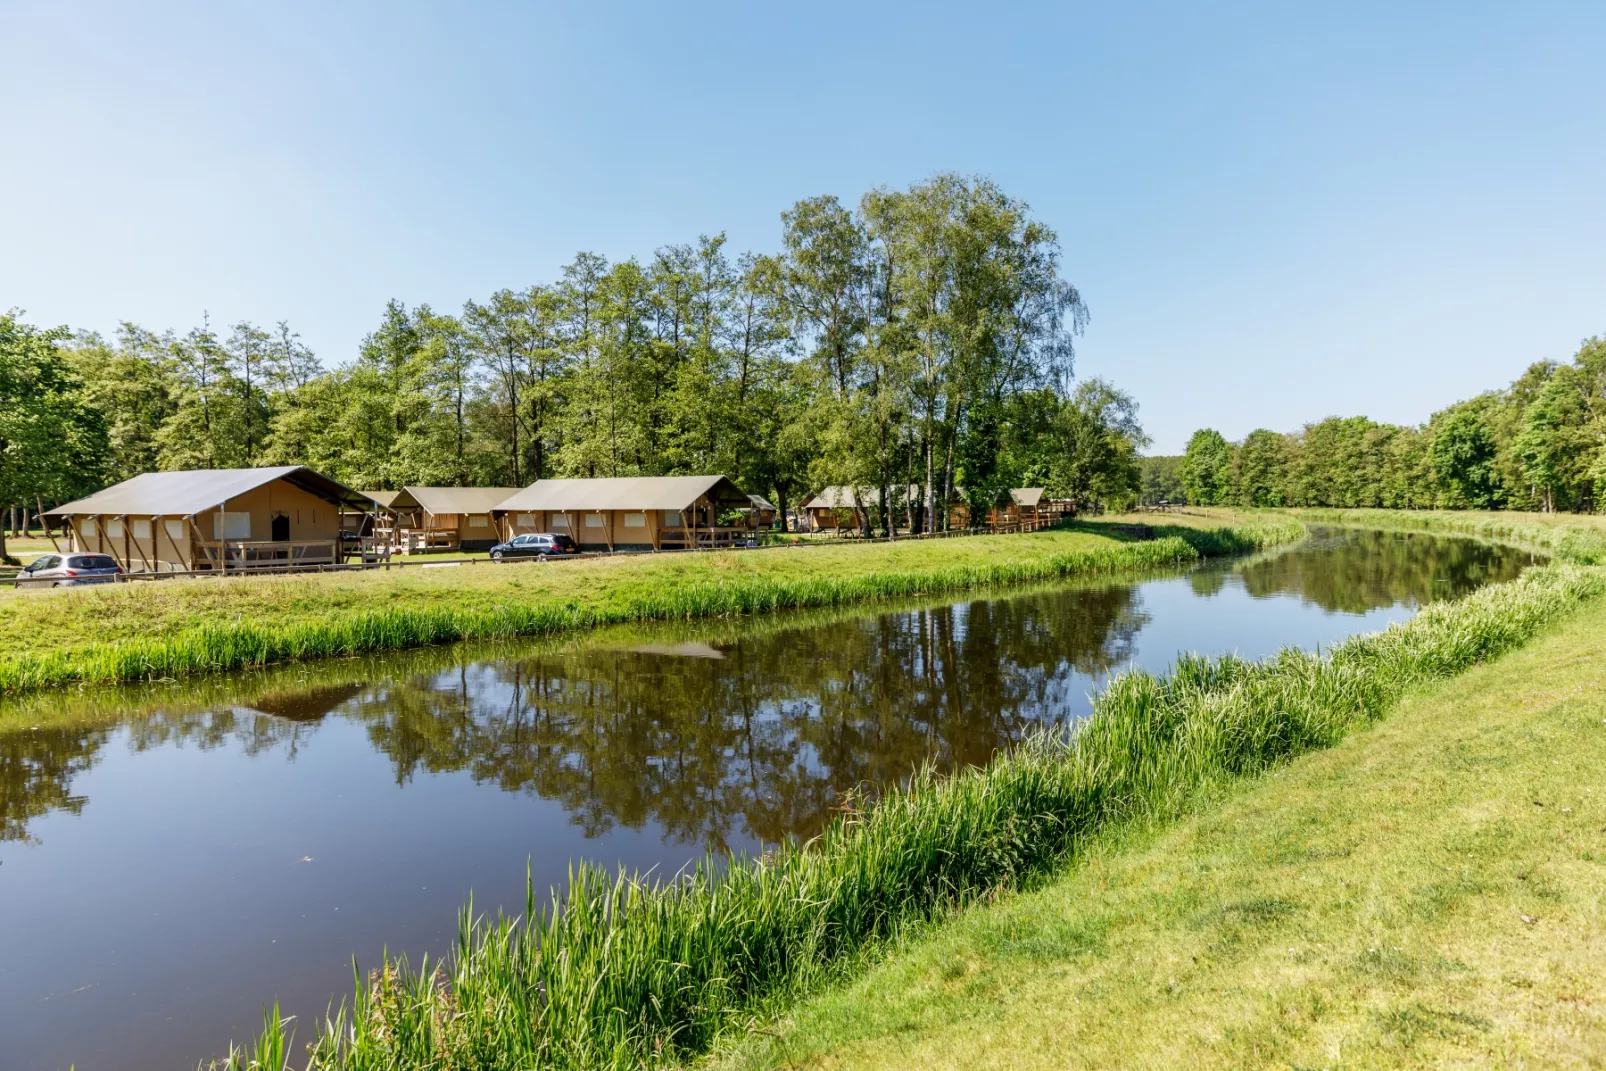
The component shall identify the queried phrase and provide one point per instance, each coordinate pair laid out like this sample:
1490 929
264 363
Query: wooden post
46 524
200 540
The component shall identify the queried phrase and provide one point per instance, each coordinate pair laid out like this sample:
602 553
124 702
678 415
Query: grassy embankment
1579 538
1426 894
169 629
623 972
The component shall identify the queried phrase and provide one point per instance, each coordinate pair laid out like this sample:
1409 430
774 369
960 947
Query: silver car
69 570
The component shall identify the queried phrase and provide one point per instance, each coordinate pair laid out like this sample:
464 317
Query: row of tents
293 517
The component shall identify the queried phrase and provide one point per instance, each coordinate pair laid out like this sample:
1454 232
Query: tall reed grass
1569 538
621 971
250 644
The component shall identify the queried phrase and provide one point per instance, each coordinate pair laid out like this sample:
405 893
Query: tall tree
1207 468
52 440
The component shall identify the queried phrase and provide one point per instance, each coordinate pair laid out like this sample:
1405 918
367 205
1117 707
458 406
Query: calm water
179 855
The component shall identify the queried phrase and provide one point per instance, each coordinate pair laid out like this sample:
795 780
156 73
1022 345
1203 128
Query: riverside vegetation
620 970
137 632
1425 894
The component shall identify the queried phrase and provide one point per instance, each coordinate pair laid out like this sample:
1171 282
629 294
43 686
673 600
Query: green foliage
52 439
1160 480
1538 445
1207 468
1462 454
1261 474
886 345
625 971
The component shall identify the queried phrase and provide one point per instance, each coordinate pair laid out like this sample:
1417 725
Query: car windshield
91 561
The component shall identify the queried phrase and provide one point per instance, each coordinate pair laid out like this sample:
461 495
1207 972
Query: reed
1576 538
246 644
624 971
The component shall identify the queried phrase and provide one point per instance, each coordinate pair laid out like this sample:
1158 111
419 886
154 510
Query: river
172 856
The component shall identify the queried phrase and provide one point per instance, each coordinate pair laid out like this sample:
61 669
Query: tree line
1539 444
922 337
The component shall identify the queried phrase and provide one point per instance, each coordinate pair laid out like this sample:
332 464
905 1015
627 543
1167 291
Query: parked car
535 546
69 570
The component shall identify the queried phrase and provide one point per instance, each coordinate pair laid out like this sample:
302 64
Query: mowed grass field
1429 893
41 620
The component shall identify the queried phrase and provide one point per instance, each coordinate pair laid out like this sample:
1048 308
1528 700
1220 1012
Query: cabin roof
624 492
439 500
1026 496
850 498
760 502
186 493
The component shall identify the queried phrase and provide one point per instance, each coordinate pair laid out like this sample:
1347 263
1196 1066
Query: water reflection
721 733
415 778
760 740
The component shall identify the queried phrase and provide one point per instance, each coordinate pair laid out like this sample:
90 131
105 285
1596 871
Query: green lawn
1429 893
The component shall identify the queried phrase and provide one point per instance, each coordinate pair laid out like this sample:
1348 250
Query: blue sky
1275 213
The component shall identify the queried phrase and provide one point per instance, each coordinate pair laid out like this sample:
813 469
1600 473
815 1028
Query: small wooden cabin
761 513
214 519
443 518
629 512
1029 506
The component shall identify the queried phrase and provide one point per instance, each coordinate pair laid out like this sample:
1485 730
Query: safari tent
214 519
442 518
628 512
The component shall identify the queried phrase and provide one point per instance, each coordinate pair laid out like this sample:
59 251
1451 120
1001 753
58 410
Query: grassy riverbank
1426 894
626 972
175 628
1574 537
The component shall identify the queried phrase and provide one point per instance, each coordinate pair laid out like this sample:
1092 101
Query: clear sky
1276 213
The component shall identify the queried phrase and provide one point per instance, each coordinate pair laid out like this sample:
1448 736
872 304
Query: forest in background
1539 444
922 337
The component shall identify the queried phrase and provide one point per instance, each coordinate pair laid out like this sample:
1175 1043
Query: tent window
231 525
175 530
479 520
525 520
560 521
142 528
593 520
635 520
114 528
672 518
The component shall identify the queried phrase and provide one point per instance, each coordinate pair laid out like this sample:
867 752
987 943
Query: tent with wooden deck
1028 505
629 512
442 518
214 519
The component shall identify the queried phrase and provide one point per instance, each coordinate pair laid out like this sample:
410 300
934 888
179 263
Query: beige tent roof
384 498
760 502
1026 496
848 497
439 500
625 492
184 494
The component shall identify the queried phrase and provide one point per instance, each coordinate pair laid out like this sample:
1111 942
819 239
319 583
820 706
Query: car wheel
496 555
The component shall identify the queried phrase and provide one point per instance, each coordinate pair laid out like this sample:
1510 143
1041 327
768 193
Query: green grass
1427 894
620 972
1573 537
108 634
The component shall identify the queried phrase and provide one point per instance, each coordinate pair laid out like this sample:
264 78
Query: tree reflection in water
718 732
759 740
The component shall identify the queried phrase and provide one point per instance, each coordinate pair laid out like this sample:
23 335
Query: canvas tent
214 519
443 518
628 512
